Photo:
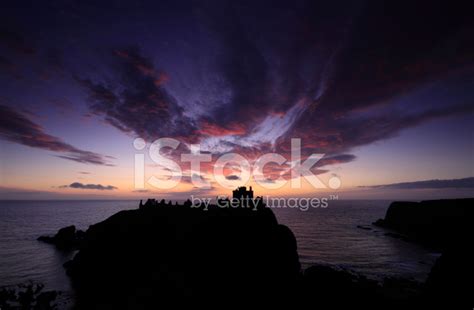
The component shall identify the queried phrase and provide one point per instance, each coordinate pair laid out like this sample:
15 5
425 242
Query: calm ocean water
328 236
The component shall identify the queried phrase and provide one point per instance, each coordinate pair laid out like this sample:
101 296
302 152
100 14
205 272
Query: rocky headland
445 225
67 238
436 223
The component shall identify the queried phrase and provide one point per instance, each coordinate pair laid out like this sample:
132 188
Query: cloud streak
429 184
16 127
78 185
15 41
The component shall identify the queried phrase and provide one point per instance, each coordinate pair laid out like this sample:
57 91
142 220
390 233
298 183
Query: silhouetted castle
242 192
241 197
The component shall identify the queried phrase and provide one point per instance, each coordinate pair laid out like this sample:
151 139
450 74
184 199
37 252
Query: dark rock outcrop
433 222
450 282
332 287
181 254
66 238
27 296
445 225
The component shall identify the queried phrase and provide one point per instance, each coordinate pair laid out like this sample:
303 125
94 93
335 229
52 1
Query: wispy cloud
18 128
232 177
429 184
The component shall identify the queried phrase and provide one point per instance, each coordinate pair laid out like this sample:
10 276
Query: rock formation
165 253
433 222
67 238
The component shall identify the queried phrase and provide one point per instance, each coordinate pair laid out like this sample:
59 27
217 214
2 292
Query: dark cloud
272 55
9 67
429 184
84 172
136 102
240 64
335 159
333 134
16 127
21 59
79 185
268 181
54 58
141 191
15 41
233 177
394 47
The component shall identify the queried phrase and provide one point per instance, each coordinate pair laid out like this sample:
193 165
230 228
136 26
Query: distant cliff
446 225
436 223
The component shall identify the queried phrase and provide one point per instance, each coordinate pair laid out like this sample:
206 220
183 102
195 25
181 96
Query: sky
382 90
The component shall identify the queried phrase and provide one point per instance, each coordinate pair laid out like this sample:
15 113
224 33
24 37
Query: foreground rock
66 238
445 225
27 296
450 282
332 287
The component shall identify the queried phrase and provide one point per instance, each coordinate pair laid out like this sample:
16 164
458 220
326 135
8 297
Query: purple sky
385 90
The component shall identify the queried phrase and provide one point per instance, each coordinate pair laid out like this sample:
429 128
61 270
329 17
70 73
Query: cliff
436 223
161 254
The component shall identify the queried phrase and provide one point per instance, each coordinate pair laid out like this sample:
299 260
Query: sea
328 236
